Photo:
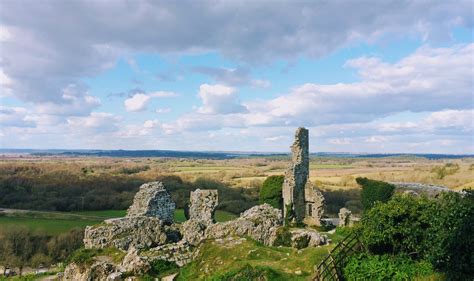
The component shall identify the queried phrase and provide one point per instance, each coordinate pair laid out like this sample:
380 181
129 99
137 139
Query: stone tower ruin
296 177
302 202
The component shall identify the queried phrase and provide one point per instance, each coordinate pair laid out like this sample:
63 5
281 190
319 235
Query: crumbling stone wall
152 200
314 205
345 217
203 203
296 177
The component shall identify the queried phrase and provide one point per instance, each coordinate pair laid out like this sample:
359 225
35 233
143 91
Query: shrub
436 230
451 241
385 267
271 191
400 226
374 191
160 268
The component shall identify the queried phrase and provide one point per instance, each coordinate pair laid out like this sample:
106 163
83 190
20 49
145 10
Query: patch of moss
84 256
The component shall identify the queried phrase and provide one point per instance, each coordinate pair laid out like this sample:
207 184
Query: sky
362 76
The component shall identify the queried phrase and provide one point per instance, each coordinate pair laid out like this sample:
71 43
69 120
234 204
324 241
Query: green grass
216 259
56 222
104 213
48 226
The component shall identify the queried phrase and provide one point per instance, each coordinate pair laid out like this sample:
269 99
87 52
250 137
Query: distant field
56 222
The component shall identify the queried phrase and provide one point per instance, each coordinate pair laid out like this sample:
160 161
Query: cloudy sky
363 76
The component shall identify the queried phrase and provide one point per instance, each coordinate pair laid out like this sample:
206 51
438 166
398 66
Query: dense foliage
20 247
436 230
385 267
374 191
271 191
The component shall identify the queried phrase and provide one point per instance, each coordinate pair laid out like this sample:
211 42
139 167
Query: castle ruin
302 202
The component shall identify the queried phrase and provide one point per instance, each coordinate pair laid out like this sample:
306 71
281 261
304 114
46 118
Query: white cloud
15 117
219 99
140 101
90 42
95 122
137 102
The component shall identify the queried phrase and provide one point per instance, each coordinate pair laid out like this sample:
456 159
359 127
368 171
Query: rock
171 277
411 193
152 200
180 253
296 177
134 263
303 238
259 222
202 205
99 270
193 231
345 217
139 232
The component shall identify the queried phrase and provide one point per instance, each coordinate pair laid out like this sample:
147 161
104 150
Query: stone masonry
152 200
345 217
296 177
202 205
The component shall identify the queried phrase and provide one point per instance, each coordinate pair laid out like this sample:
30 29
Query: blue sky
237 76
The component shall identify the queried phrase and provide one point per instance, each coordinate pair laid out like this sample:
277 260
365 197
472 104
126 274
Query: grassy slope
57 222
216 258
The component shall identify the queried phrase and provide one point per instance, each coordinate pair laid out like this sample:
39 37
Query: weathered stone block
152 200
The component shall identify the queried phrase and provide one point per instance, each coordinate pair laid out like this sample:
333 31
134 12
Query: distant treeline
31 188
35 187
215 154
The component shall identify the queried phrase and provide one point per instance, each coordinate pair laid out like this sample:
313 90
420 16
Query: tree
374 191
271 191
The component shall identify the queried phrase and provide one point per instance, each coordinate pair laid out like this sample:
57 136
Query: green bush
271 191
385 267
401 225
436 230
374 191
452 240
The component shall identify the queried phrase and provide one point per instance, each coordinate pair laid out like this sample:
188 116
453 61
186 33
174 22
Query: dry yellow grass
328 173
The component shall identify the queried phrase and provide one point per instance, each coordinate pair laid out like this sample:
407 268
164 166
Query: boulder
259 222
152 200
99 270
303 238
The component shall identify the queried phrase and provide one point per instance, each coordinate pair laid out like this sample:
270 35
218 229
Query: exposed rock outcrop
259 222
152 200
99 270
296 177
134 263
302 238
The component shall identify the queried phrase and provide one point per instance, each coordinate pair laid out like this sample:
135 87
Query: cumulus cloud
99 122
219 99
440 77
140 101
93 34
15 117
